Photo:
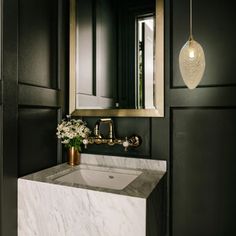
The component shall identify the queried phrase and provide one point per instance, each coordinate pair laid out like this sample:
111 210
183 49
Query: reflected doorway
145 83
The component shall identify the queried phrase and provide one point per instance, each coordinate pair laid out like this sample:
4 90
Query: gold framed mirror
141 108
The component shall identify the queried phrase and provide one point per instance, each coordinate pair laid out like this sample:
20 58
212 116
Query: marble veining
47 207
123 162
49 210
140 187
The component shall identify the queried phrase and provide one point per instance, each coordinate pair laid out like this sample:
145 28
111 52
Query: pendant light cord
191 19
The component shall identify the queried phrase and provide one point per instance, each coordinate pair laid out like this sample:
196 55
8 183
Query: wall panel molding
37 96
1 93
210 97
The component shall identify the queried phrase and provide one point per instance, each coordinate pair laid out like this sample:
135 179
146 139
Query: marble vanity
104 195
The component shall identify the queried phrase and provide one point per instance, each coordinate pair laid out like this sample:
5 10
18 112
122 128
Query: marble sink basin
65 200
104 177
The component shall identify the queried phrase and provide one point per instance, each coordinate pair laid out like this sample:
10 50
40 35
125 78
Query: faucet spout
97 133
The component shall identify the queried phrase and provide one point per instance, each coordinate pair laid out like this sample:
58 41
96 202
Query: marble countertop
141 187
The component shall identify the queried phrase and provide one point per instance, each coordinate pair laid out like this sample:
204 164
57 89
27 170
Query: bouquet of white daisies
71 132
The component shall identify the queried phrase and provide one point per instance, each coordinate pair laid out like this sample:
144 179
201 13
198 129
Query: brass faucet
97 133
133 141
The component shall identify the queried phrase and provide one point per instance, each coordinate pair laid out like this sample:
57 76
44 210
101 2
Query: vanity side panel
156 210
48 209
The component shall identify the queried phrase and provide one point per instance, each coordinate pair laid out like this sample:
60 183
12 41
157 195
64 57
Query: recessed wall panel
37 139
203 171
38 42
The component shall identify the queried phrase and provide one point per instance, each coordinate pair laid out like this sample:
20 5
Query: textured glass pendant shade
192 63
192 59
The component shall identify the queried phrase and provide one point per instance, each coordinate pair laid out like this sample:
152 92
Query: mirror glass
116 57
144 79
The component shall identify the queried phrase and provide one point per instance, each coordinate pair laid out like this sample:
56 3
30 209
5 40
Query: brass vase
73 156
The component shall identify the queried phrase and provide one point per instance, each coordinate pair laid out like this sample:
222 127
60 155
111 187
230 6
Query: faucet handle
85 142
133 141
126 144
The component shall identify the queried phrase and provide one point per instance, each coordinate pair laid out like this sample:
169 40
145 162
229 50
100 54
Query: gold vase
73 156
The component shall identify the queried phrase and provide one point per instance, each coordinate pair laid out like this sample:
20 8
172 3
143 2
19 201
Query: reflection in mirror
145 76
116 57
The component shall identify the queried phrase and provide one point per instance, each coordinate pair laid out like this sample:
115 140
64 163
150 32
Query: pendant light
191 59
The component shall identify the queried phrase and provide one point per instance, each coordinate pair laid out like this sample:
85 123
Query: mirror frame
159 77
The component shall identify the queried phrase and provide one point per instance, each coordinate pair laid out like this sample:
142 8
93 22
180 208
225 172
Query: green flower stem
75 142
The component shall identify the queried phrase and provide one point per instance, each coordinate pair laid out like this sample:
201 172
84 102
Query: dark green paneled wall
33 82
8 151
196 136
202 124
